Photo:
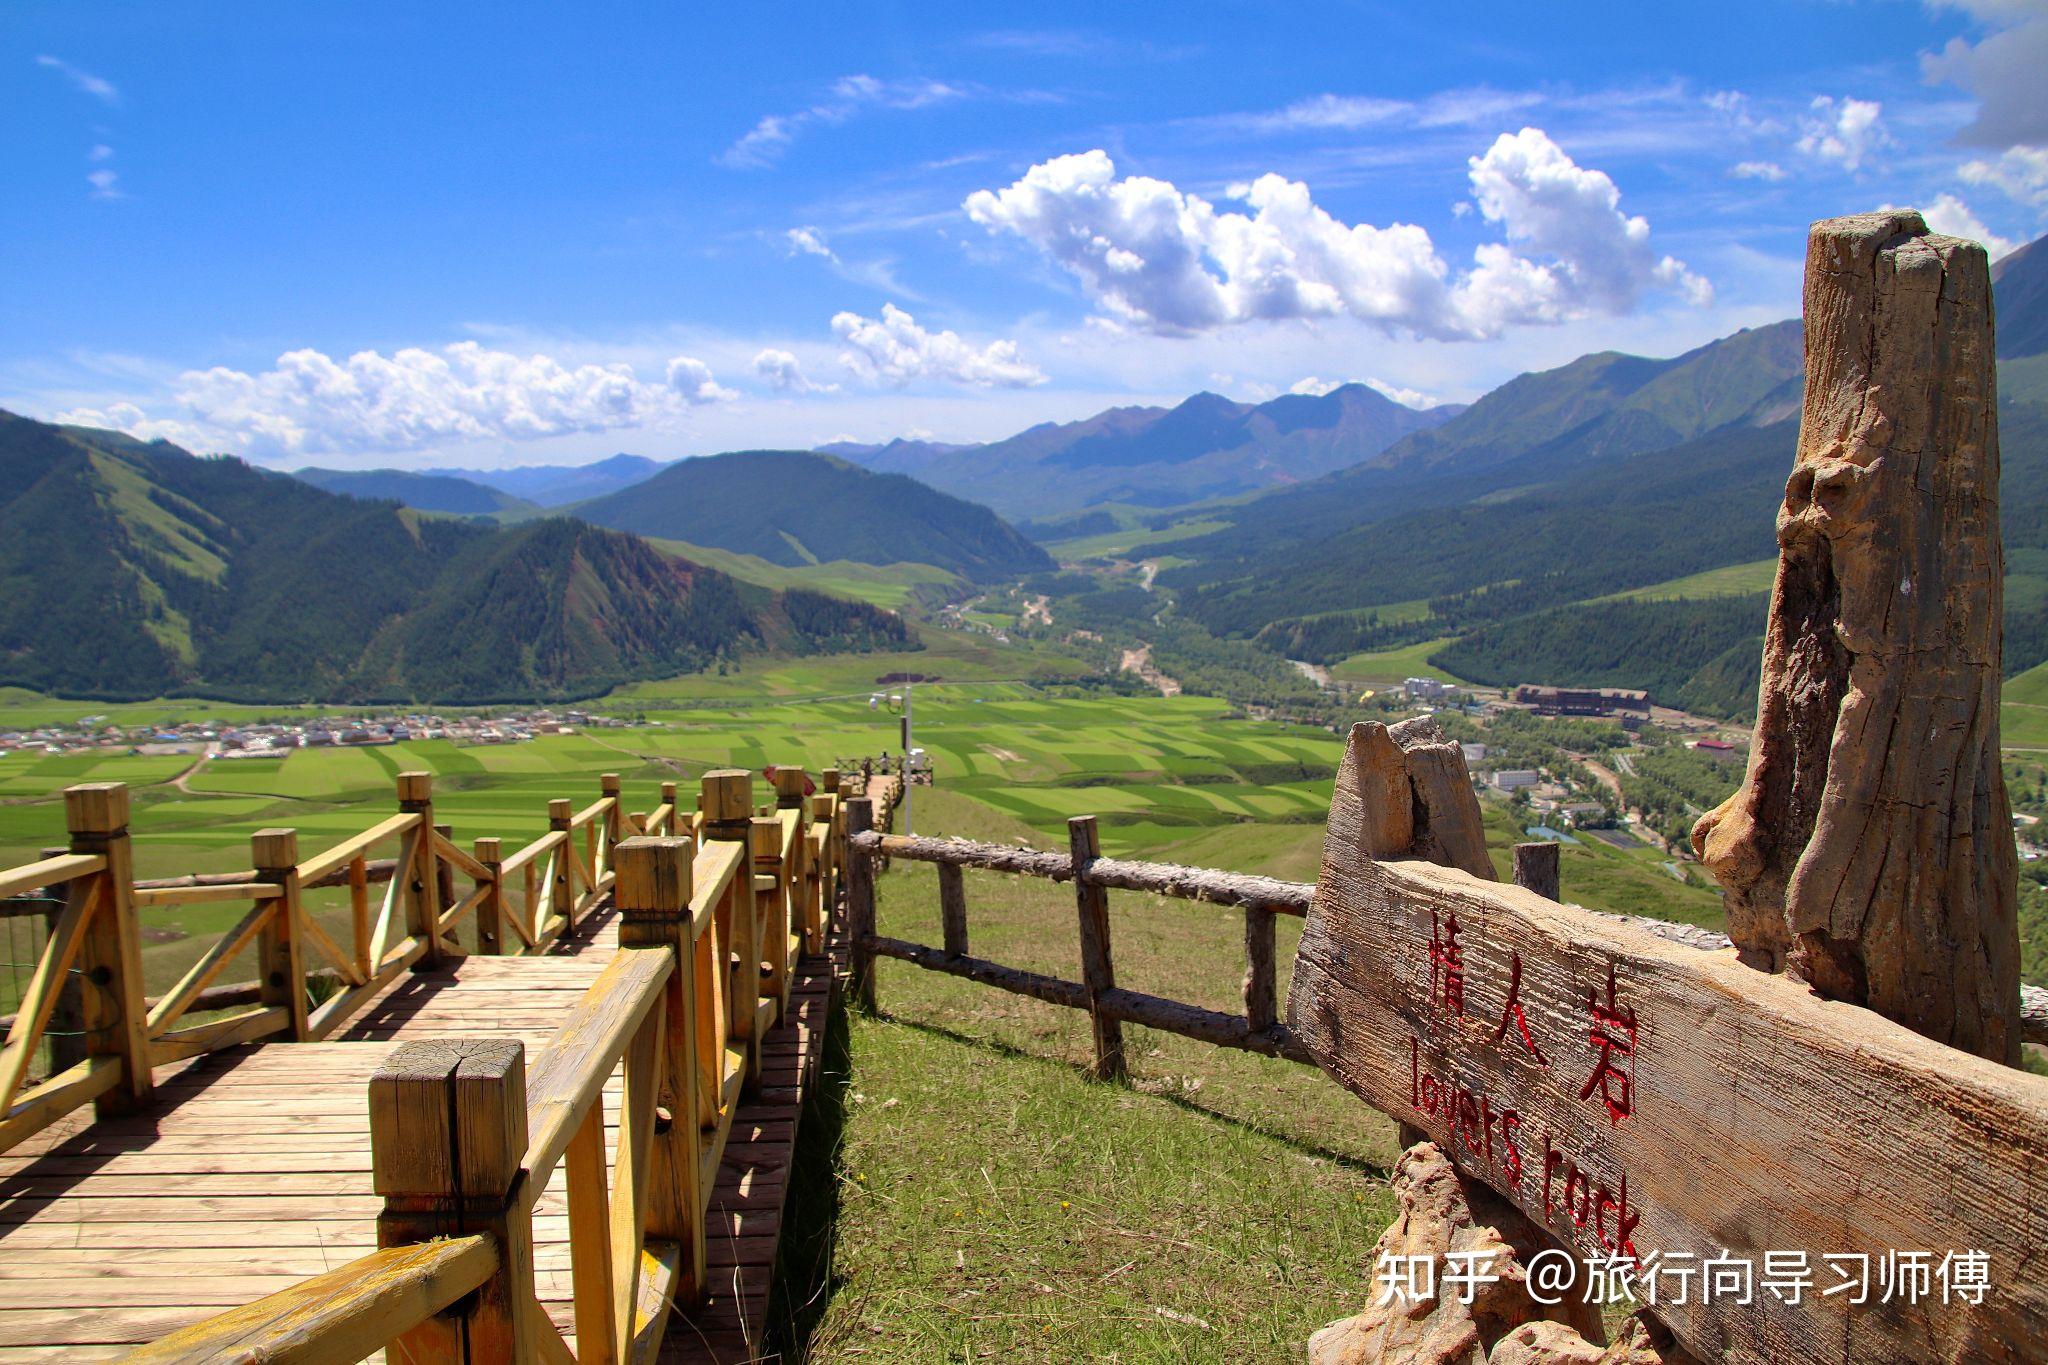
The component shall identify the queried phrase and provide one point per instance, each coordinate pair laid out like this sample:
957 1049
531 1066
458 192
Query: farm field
1381 667
1173 778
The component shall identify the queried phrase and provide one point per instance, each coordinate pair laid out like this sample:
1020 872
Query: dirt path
1139 661
1315 673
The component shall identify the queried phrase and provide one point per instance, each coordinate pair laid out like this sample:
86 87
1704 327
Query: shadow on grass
1013 1052
806 1276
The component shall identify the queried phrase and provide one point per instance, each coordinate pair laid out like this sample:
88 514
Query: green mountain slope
1598 478
798 507
428 492
131 570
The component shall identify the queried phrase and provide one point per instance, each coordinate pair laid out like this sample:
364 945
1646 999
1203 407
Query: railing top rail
345 1314
569 1073
1166 879
546 843
345 852
50 871
711 872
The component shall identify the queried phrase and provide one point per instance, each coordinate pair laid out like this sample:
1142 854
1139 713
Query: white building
1514 779
1426 689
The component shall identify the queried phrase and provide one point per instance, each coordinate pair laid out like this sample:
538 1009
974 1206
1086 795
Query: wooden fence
715 906
1256 1029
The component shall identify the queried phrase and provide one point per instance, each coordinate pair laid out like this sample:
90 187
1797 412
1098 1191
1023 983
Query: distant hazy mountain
180 574
2021 284
429 492
1206 447
799 507
895 457
558 485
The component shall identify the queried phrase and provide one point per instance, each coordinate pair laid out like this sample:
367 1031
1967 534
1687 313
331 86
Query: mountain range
133 570
1205 447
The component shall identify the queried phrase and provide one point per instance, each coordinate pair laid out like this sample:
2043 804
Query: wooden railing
307 981
709 929
1109 1006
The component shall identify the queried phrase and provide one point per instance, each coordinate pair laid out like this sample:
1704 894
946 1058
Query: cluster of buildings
1622 703
272 738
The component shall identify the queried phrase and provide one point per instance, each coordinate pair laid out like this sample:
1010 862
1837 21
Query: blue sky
449 234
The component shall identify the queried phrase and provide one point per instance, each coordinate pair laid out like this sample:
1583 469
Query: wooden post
860 904
1536 868
725 795
359 914
490 911
1260 1006
773 904
280 959
828 781
1098 971
1869 849
953 909
444 881
614 822
677 824
447 1135
416 796
110 956
653 894
562 886
65 1033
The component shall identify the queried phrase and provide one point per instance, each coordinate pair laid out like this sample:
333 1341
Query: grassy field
966 1191
1381 667
1730 580
884 585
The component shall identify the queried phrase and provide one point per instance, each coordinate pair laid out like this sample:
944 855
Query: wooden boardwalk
251 1170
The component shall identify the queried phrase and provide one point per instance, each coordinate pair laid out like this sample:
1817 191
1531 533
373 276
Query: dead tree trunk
1870 846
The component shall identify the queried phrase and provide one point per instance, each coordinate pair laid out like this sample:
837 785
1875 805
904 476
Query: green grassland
883 585
1380 667
1730 580
1127 541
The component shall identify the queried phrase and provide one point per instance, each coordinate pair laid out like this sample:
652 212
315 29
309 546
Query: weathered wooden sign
1674 1113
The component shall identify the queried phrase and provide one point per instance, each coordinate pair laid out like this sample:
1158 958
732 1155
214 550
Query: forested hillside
799 507
130 570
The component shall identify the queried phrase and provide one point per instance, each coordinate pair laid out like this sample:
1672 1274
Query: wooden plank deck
251 1171
749 1201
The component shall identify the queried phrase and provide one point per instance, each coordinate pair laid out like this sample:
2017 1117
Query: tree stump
1869 849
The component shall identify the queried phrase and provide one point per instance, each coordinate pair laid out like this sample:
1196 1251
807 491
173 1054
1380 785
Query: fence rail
714 908
84 1032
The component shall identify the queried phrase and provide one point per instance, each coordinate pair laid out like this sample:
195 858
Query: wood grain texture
1665 1100
1869 849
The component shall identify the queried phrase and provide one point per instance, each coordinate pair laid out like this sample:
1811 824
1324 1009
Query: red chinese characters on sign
1513 1011
1446 966
1612 1034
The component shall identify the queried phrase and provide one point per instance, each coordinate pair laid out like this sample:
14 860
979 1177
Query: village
270 739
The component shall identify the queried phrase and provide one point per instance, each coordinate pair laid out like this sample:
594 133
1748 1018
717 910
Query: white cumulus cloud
1848 132
414 398
1757 170
1155 256
2021 173
1947 214
780 371
895 350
